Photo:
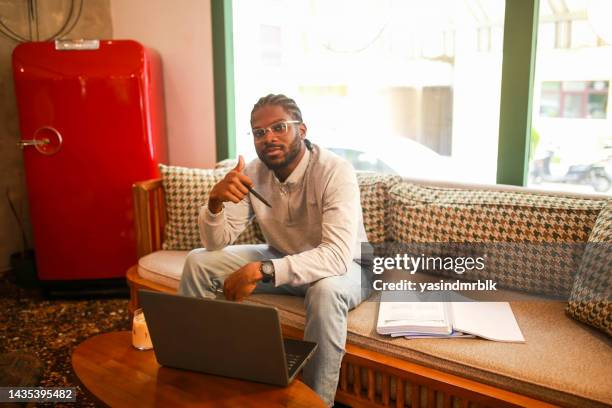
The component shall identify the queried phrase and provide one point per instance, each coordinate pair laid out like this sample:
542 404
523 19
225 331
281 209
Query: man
313 231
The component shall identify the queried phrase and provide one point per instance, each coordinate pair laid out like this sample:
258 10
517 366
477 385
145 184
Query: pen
256 194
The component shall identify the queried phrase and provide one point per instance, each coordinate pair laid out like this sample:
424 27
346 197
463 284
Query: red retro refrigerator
92 123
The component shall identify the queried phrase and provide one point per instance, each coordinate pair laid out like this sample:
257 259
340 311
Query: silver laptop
222 338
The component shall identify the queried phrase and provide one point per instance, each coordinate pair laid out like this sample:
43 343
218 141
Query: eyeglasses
279 129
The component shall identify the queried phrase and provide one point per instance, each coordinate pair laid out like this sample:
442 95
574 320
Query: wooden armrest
148 185
149 215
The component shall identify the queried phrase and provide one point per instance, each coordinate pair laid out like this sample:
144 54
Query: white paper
489 320
415 311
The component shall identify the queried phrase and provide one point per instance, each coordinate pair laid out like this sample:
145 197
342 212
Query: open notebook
423 319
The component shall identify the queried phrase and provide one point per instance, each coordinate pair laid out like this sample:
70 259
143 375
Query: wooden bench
389 381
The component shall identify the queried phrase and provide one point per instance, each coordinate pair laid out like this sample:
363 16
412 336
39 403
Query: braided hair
288 106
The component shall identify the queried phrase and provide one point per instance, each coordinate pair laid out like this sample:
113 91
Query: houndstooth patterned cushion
591 298
374 192
186 191
433 214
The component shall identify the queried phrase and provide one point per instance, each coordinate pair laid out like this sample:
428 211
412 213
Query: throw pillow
374 194
186 191
591 298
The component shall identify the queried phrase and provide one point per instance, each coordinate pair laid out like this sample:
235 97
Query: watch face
267 268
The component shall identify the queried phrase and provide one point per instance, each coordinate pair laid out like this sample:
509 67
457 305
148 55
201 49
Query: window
270 39
572 128
415 85
567 52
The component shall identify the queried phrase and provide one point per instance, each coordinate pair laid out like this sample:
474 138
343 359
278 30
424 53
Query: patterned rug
49 330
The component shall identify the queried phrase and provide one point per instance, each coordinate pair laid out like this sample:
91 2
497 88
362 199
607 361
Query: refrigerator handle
47 140
31 142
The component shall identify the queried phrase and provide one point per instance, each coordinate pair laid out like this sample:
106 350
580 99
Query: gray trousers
327 303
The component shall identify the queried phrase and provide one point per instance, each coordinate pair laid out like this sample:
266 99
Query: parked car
388 154
395 155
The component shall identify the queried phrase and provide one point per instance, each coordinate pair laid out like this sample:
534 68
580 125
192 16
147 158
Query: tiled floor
51 329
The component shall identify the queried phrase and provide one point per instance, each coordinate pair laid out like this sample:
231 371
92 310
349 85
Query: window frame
561 95
223 74
518 68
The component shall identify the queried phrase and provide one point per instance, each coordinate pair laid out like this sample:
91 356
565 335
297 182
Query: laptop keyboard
292 360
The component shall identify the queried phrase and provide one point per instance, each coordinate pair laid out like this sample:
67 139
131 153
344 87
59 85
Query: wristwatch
267 270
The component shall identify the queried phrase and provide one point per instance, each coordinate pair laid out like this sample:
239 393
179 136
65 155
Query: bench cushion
432 214
163 267
578 359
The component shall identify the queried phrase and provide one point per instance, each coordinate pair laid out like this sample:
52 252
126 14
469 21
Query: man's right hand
231 188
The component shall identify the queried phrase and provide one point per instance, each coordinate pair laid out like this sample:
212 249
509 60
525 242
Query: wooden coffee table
119 375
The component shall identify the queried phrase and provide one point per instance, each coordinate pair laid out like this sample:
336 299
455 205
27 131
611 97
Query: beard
291 152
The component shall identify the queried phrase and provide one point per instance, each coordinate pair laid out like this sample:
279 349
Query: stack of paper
416 320
419 319
426 317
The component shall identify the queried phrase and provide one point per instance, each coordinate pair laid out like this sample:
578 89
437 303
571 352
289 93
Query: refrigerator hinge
78 45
